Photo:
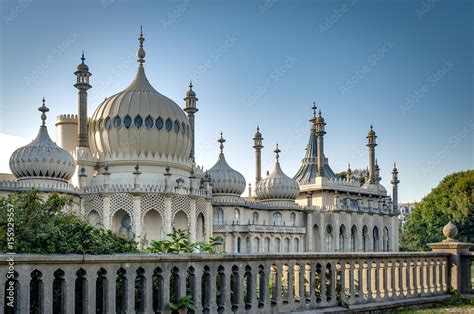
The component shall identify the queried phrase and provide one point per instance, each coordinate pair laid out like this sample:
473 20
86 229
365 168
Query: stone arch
122 224
354 239
365 238
316 239
386 240
94 218
329 239
375 239
342 238
218 216
181 221
152 226
255 245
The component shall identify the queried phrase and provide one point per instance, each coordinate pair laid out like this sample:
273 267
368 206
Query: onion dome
82 67
277 185
371 131
42 158
190 92
140 120
224 179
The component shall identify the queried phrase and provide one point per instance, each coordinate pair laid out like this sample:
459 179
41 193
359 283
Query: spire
277 153
83 58
314 109
221 146
141 51
43 109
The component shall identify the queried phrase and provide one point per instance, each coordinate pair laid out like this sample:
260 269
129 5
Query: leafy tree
452 199
178 242
357 174
42 226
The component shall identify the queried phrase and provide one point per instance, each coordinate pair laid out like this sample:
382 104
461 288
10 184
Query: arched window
296 246
138 122
238 245
159 123
183 128
255 218
117 122
386 240
375 238
292 219
277 219
329 238
149 122
176 126
256 245
266 245
342 237
287 245
108 123
353 238
236 216
365 235
127 121
218 216
169 124
277 245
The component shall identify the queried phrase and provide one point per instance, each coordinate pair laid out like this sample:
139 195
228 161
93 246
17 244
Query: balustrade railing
150 283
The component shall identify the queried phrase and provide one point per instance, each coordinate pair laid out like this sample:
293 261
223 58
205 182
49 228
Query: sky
404 66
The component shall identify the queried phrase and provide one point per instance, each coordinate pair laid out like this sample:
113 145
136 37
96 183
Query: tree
42 226
178 242
452 199
357 174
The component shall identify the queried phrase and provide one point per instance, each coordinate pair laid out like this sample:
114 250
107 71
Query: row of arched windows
277 247
138 122
218 215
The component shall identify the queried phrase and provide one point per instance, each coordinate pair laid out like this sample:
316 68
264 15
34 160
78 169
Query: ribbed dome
140 120
42 158
224 179
277 185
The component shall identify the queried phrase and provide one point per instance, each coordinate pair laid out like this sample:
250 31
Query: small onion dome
258 134
277 185
224 179
190 92
82 67
42 158
320 118
371 131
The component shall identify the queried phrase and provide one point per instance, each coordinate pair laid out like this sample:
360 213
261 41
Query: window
266 245
236 216
238 245
386 243
108 123
149 122
100 125
159 123
256 245
169 124
218 216
296 247
183 128
292 219
138 122
276 245
329 238
342 236
287 245
375 239
353 238
176 126
127 121
117 122
221 247
277 219
365 234
255 218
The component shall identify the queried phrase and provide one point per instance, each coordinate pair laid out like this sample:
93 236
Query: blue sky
404 66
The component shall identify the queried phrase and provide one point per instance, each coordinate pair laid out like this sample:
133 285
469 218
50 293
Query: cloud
9 144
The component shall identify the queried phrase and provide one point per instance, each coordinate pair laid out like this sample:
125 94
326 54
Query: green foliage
178 242
185 302
357 174
42 226
452 199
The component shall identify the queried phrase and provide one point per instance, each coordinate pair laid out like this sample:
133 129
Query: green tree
42 226
452 199
178 242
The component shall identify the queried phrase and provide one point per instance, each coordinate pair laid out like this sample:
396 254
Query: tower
395 182
319 126
371 143
82 84
258 145
190 109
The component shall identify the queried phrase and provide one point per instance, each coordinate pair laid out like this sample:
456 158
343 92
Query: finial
314 109
258 128
43 109
83 58
371 127
450 231
319 113
221 146
141 51
349 167
190 84
277 153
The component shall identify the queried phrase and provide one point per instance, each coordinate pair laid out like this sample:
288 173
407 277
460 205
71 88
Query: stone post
455 248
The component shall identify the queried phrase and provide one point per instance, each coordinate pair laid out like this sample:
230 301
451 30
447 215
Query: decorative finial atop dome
43 109
221 146
314 109
83 58
141 51
277 153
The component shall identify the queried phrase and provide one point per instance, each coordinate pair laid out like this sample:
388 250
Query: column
137 221
168 226
192 217
106 219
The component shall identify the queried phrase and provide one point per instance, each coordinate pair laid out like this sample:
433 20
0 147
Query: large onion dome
277 185
224 179
42 158
140 120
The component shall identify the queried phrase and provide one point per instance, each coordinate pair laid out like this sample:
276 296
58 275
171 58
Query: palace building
130 167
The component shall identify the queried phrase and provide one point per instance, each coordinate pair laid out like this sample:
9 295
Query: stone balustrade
239 283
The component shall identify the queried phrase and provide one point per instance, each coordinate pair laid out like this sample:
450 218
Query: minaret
258 145
372 142
349 172
190 109
82 84
395 182
319 125
377 172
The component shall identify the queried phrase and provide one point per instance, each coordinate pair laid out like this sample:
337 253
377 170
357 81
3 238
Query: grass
455 304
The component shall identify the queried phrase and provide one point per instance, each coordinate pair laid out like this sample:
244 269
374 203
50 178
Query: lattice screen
178 203
153 201
122 201
201 207
93 202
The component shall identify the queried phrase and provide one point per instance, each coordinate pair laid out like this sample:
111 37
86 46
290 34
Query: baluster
70 287
401 283
301 283
166 274
253 283
213 289
183 272
385 279
415 277
312 284
378 293
23 295
111 289
428 276
393 283
278 291
47 278
130 289
439 275
228 280
342 291
408 276
332 280
352 299
198 271
148 293
241 280
322 279
360 287
369 280
91 277
266 300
